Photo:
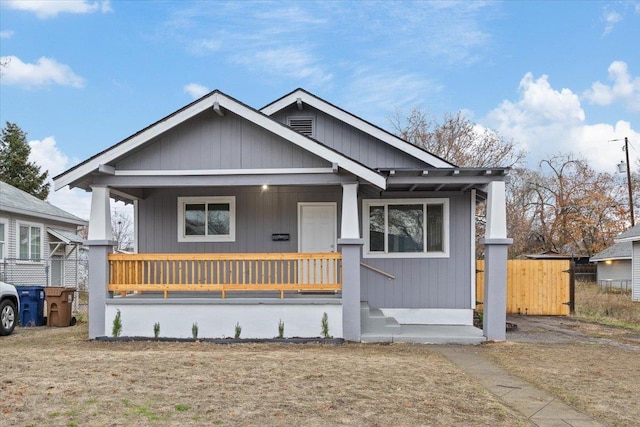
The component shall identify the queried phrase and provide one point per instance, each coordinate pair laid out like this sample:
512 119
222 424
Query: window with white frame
29 241
207 219
3 239
406 228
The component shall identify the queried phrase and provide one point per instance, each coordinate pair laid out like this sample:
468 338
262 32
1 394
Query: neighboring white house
38 241
252 216
632 236
614 265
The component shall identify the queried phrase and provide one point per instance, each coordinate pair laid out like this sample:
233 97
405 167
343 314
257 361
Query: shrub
280 328
156 329
117 325
238 331
325 326
194 330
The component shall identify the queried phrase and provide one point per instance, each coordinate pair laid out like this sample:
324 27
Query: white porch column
350 245
100 220
495 282
100 242
350 226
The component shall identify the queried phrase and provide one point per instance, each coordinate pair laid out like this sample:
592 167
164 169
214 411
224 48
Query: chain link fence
68 273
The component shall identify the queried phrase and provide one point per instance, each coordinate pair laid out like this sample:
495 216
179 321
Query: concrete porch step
376 327
429 334
373 321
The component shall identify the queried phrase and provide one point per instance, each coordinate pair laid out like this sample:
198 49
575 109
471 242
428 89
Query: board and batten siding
426 282
351 142
259 214
419 283
635 283
208 141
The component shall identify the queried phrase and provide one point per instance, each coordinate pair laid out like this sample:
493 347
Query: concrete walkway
540 407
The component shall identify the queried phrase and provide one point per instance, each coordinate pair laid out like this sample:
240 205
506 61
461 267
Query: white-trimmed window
207 219
406 228
4 247
29 245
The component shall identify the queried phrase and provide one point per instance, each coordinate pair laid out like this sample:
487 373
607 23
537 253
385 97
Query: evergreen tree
15 168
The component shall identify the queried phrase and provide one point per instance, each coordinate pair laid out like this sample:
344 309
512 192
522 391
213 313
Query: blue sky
553 76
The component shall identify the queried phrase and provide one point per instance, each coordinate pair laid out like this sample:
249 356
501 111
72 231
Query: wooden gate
533 287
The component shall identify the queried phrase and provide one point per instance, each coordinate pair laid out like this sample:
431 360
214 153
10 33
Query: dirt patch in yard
592 367
56 377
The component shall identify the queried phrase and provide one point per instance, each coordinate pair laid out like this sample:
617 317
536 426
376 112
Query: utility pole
620 166
626 150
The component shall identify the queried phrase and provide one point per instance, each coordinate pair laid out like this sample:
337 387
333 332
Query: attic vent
304 125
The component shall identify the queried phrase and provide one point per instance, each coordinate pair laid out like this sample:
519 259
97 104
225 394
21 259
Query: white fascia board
134 142
303 142
358 124
627 239
214 172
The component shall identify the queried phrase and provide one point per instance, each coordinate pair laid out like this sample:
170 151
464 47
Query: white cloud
625 88
291 62
44 9
610 19
374 92
48 156
45 72
546 121
6 34
196 90
203 46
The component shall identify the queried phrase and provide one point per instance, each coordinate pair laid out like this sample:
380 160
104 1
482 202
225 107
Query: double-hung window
406 228
29 242
207 219
3 240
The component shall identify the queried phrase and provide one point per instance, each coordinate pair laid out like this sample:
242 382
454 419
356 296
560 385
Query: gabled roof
620 250
65 236
630 235
356 122
216 100
17 201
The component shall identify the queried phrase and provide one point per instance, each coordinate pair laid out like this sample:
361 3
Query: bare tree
457 140
122 226
565 206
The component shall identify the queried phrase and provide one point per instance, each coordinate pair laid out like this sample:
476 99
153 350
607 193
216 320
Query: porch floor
290 297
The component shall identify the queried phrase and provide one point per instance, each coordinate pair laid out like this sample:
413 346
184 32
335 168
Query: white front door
317 227
317 231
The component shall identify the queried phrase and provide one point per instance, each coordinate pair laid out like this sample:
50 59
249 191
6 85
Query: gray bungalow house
614 265
632 237
257 217
39 243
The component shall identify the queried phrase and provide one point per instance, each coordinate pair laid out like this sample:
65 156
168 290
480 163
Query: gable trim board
356 122
207 102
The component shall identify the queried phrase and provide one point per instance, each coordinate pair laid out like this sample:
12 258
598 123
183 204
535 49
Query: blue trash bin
31 305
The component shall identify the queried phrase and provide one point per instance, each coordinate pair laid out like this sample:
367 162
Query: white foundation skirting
219 320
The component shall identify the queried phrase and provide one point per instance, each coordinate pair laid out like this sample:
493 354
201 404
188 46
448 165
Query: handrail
377 270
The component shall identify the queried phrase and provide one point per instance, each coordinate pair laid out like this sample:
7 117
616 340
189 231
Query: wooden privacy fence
225 272
541 287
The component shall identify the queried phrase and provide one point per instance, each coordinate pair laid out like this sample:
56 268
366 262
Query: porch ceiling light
265 187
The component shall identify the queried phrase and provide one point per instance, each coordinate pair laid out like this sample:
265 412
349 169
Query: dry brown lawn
600 380
57 377
592 367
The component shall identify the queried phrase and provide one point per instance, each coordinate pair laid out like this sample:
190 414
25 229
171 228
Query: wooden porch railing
225 272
